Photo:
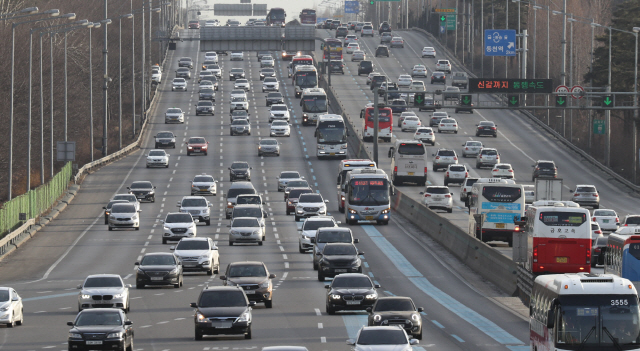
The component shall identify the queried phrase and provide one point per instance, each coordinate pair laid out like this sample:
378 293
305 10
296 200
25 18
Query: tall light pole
95 25
105 83
128 16
635 105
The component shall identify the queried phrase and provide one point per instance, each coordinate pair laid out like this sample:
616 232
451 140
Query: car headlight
257 231
167 228
371 296
229 204
385 211
114 335
305 237
300 211
135 217
264 284
335 296
343 146
200 317
140 270
85 296
415 317
377 318
75 336
243 317
174 271
342 197
4 309
352 211
118 296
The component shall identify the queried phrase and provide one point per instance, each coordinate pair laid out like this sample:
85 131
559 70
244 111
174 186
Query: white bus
367 196
304 77
500 202
344 167
314 103
408 162
331 136
584 312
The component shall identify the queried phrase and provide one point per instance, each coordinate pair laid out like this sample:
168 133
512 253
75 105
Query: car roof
247 263
104 275
159 254
245 185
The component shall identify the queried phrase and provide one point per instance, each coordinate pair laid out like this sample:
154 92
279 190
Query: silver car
309 228
251 211
104 291
198 254
443 158
245 230
487 157
586 195
285 177
124 215
268 147
197 206
240 126
179 84
471 148
204 184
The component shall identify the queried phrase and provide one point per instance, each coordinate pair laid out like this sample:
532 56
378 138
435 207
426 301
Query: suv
292 198
240 170
487 157
365 67
444 66
338 258
222 310
197 206
382 50
366 30
254 278
544 169
342 32
310 205
309 228
586 195
456 174
198 254
385 37
443 158
384 27
178 225
237 188
326 235
465 188
438 197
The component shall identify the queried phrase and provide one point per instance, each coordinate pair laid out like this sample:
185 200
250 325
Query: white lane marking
318 313
286 265
320 326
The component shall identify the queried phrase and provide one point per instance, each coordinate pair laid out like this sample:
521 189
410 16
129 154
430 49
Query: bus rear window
562 219
411 149
501 194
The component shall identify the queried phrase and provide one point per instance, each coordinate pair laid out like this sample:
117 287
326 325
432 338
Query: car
419 71
143 190
251 199
251 211
310 205
428 51
337 67
448 125
130 198
471 148
222 310
487 157
197 145
239 114
156 76
254 278
358 55
487 128
240 170
206 64
309 228
382 337
242 84
607 219
338 258
438 77
586 195
270 84
397 310
204 107
443 158
397 42
385 37
261 54
157 158
104 291
240 126
294 183
111 326
352 47
267 61
429 104
211 55
183 72
366 30
349 291
207 94
341 32
631 221
382 50
358 26
207 84
206 75
598 250
165 139
529 193
215 69
237 93
438 197
291 200
236 189
236 56
285 176
236 73
365 67
410 124
185 62
274 98
405 80
159 268
124 215
197 206
326 235
451 93
544 169
384 28
174 115
204 184
179 84
268 147
178 225
436 117
267 72
194 24
426 135
198 255
398 105
455 174
351 38
465 188
370 77
245 230
11 307
443 66
279 112
288 55
239 103
107 209
503 170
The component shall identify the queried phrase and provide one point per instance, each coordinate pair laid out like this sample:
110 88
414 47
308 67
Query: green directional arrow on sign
607 101
443 18
418 99
514 100
465 100
561 101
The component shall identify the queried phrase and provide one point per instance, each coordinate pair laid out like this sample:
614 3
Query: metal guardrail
15 236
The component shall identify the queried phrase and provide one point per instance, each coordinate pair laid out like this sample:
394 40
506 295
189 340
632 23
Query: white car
270 84
237 93
371 75
124 215
267 61
438 197
410 124
377 338
358 55
157 158
607 219
198 206
280 128
212 56
206 84
428 51
366 30
156 76
426 135
239 103
279 112
97 287
404 80
455 174
419 71
204 184
310 204
471 148
174 115
351 38
236 56
130 198
178 225
11 307
404 115
448 125
242 84
215 69
443 66
352 47
503 170
179 84
198 254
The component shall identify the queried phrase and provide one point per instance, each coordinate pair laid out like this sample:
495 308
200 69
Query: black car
487 128
207 94
222 310
382 50
267 72
384 27
342 32
339 258
185 62
144 191
240 170
397 310
337 67
351 291
389 86
274 98
335 24
598 251
376 81
107 209
398 106
165 139
254 278
222 52
544 169
204 108
438 77
327 24
101 329
429 104
365 67
236 73
159 268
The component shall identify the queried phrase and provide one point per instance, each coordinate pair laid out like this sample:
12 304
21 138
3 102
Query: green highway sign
514 100
418 99
451 22
465 100
607 102
598 126
561 101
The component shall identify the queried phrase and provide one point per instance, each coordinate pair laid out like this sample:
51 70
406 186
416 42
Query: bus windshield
369 192
314 104
306 79
501 194
332 132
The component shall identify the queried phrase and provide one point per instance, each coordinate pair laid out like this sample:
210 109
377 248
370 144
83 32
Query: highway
462 312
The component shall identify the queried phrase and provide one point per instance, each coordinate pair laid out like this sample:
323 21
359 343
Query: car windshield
103 282
333 236
206 91
298 183
435 190
310 198
339 250
203 179
183 69
412 118
194 203
411 149
178 218
586 189
268 142
174 110
239 165
474 143
247 212
238 92
314 225
179 80
424 130
126 197
351 282
268 70
157 153
604 213
123 208
251 200
457 168
196 141
279 108
232 193
289 175
234 298
193 245
237 70
280 123
141 185
632 220
4 295
240 122
245 222
546 165
239 99
503 166
98 318
385 305
270 80
382 337
165 135
158 260
294 194
274 95
247 271
111 203
489 152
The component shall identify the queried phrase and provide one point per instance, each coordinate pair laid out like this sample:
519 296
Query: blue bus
622 256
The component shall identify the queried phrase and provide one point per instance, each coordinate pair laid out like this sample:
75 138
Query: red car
292 200
197 145
194 25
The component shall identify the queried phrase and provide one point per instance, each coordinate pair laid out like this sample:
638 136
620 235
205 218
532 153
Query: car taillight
447 173
442 125
617 220
597 249
395 169
494 170
595 195
598 231
535 254
455 125
455 158
466 174
588 256
425 170
594 219
511 170
576 194
493 128
437 157
447 195
427 195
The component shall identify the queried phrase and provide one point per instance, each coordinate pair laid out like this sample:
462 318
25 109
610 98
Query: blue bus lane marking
470 316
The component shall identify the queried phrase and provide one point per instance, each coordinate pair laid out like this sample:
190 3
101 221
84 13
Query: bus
331 48
498 202
622 256
385 123
331 136
276 17
367 196
314 104
559 238
304 60
308 17
344 167
583 312
304 77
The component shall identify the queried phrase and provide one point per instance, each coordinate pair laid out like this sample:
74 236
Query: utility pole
563 74
105 85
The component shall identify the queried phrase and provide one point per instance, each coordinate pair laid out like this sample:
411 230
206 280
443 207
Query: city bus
344 167
385 123
500 202
331 48
622 256
583 312
276 17
304 77
314 104
559 238
367 196
331 136
303 60
308 17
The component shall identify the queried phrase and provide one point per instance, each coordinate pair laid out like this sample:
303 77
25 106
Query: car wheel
198 335
110 229
248 334
300 249
268 304
139 286
297 218
288 213
210 271
164 241
320 275
330 310
477 166
450 210
230 243
130 348
21 321
259 243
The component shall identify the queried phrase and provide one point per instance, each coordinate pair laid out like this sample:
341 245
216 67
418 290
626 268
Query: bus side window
321 46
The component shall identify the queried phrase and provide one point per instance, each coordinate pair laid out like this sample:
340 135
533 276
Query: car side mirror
570 191
194 305
414 341
369 309
272 276
420 309
70 324
360 252
377 286
128 323
172 247
326 201
128 188
351 342
79 286
136 264
104 207
355 241
252 303
328 286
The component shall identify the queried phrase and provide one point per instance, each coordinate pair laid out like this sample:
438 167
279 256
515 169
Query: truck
460 79
548 189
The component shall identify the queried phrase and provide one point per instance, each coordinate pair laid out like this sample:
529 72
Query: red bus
276 17
331 47
304 60
385 124
308 16
559 236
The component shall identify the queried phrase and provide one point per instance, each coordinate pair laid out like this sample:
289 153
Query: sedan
240 126
448 125
405 80
211 56
426 135
267 61
239 114
245 230
270 84
274 98
185 62
392 309
205 75
419 71
107 210
204 184
382 338
204 108
503 170
159 268
358 55
174 115
124 216
102 329
239 103
339 258
607 219
279 111
280 128
397 42
254 278
207 84
428 51
236 73
242 84
451 93
143 190
237 93
438 77
11 307
103 291
410 124
268 147
471 148
236 56
352 47
487 128
267 72
228 306
207 94
197 145
179 84
350 291
157 158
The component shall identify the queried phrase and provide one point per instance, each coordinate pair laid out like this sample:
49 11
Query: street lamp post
635 110
95 25
128 16
105 84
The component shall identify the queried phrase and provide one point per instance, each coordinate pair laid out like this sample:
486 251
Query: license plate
249 292
94 342
561 260
157 278
410 173
368 218
332 154
500 225
605 221
221 324
353 302
196 151
341 270
189 264
165 142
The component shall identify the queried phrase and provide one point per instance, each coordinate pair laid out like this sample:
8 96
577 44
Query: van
328 235
365 67
408 162
236 189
